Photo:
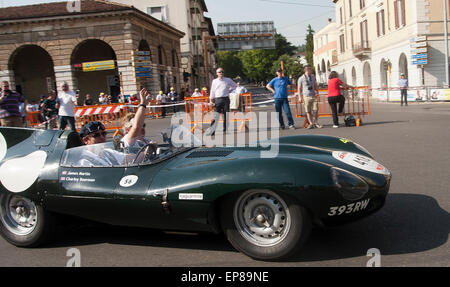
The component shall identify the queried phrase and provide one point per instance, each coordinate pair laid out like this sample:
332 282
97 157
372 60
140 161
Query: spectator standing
50 111
308 91
88 100
278 86
196 93
161 99
10 114
335 96
220 90
173 96
403 83
66 103
102 99
205 92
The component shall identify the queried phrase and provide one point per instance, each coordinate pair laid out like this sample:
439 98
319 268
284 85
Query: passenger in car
134 126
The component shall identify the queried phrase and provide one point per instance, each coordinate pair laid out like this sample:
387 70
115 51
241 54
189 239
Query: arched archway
33 71
101 80
403 65
367 75
144 46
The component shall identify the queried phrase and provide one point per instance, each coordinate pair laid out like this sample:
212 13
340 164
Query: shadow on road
408 223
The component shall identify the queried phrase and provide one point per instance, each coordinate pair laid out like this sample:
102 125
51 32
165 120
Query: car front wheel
265 225
22 222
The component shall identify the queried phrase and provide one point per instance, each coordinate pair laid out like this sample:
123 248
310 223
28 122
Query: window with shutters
399 10
342 43
380 23
362 4
350 8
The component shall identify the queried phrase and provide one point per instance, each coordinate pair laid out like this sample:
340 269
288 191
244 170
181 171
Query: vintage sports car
265 206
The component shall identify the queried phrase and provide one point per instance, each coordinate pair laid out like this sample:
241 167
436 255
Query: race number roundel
361 162
128 181
3 147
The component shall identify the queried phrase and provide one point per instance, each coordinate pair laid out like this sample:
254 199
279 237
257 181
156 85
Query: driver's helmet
91 127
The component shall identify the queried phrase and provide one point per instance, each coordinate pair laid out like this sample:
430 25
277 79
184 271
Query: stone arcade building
42 45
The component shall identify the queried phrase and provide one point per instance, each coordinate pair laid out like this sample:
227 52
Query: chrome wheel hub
262 217
18 214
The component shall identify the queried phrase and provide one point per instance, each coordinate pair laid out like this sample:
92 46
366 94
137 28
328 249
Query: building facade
44 45
187 16
374 42
325 51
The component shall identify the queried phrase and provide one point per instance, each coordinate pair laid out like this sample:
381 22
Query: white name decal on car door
190 196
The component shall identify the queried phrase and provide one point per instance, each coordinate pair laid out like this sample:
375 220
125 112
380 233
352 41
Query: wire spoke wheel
262 218
18 214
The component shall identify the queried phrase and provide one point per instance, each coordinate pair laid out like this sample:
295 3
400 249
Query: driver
94 133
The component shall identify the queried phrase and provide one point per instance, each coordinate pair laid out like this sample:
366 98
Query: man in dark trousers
219 96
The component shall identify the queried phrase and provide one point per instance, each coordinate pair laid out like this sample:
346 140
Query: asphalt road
411 230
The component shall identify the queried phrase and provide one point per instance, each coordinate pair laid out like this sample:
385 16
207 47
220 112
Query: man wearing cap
173 96
161 99
219 96
278 86
94 133
403 83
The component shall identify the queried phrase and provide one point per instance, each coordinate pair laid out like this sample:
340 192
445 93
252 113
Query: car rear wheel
265 225
22 222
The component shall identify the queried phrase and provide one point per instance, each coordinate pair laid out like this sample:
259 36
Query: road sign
99 66
419 51
420 62
419 44
141 58
143 75
419 39
419 56
143 69
142 64
140 53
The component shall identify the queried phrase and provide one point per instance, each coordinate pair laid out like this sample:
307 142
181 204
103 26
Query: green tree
257 63
283 46
309 49
231 63
292 68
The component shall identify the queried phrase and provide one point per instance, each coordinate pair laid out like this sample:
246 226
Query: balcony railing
362 50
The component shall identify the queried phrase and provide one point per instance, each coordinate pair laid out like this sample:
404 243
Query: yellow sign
99 66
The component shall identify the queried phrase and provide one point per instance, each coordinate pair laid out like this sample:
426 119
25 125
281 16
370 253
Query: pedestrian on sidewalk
403 83
10 102
335 97
66 103
278 86
220 97
308 91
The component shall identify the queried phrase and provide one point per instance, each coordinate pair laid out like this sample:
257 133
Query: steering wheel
149 153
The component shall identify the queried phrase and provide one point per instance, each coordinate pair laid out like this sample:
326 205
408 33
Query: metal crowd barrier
357 104
111 115
200 111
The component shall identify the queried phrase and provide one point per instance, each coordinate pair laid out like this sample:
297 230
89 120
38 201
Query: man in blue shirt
278 86
403 83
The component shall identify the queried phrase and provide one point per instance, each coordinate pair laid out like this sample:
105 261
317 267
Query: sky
291 17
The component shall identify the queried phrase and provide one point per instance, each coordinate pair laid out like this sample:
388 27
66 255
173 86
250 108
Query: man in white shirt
219 96
161 99
66 103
